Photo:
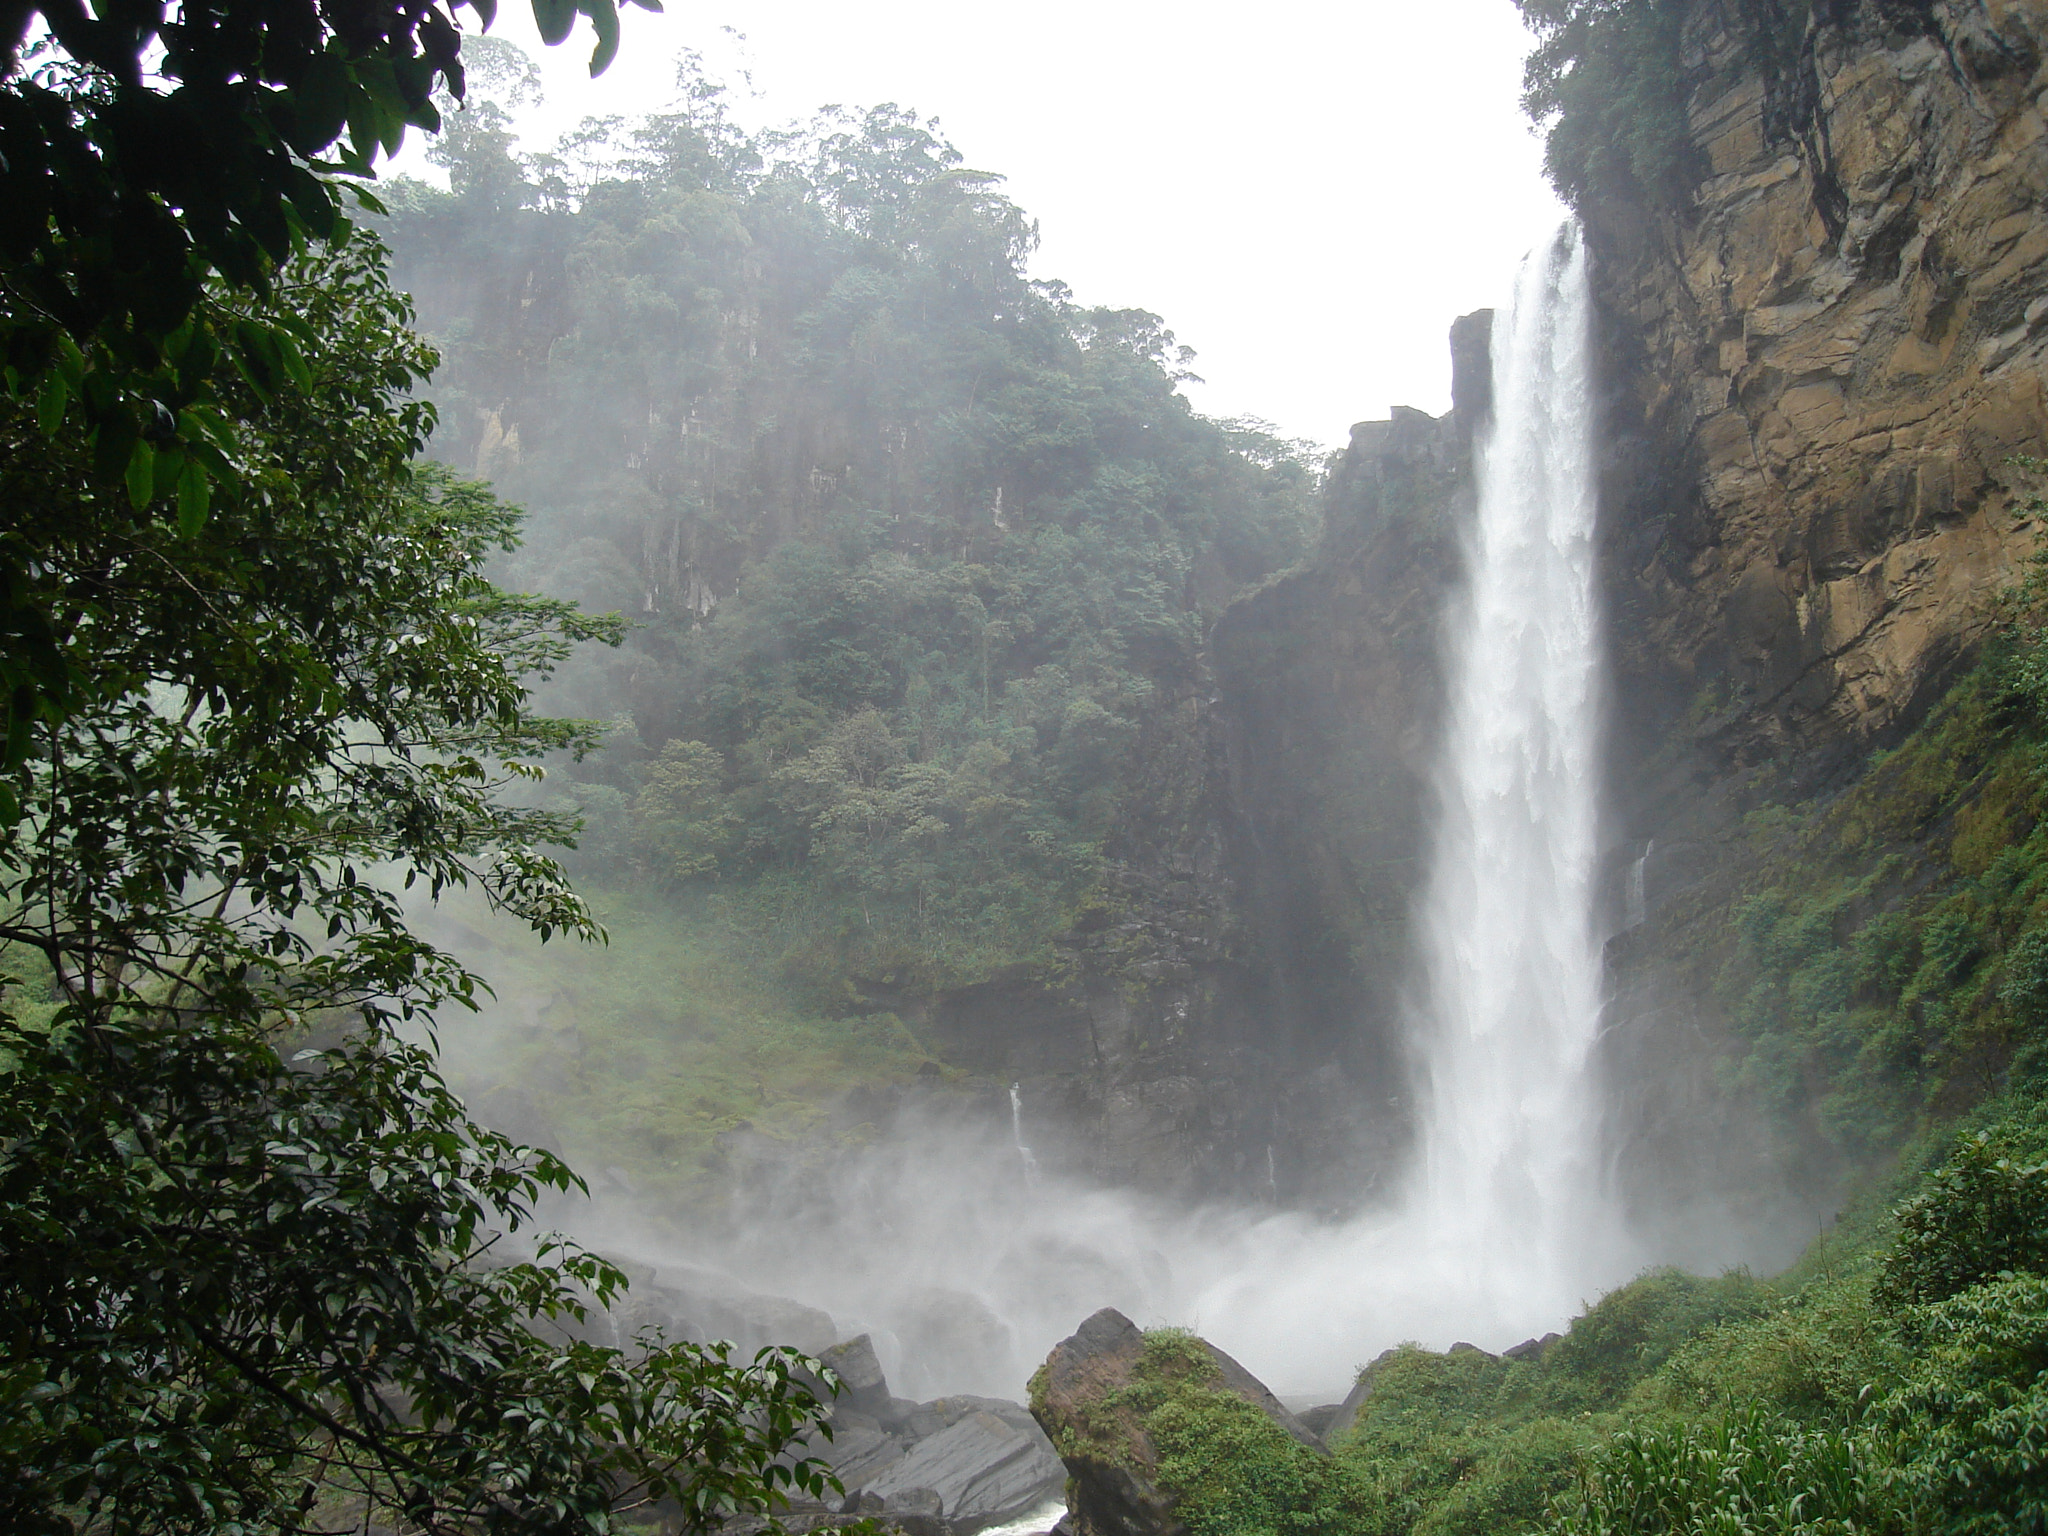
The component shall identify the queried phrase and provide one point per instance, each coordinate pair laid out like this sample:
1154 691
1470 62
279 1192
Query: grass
641 1054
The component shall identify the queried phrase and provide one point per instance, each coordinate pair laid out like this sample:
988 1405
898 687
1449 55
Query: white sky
1309 193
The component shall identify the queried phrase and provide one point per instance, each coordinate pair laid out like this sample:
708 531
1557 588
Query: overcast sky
1308 193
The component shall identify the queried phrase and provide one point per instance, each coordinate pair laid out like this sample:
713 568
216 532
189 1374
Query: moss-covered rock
1163 1434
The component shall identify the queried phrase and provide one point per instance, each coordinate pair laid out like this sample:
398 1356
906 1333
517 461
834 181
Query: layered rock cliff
1821 366
1820 369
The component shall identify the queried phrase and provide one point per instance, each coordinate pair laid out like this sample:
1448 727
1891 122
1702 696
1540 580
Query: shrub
1811 1359
1972 1416
1750 1472
1983 1213
1512 1483
1630 1332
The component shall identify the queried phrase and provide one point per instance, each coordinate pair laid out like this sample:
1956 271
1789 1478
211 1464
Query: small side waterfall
1017 1134
1636 894
1510 953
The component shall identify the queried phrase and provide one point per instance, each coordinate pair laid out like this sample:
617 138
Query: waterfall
1017 1134
1509 949
1636 898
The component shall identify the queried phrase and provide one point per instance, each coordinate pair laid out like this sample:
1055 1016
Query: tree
144 156
682 818
260 1263
1605 76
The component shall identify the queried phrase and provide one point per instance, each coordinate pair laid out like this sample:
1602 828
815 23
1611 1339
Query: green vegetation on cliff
1610 80
1882 956
920 553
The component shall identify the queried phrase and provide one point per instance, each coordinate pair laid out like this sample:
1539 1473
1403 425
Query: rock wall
1231 1023
1329 693
1819 370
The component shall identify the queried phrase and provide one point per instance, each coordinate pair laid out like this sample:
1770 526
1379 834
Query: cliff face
1329 693
1819 372
1235 1025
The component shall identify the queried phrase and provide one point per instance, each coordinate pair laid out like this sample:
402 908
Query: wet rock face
957 1463
1227 1024
1330 697
1112 1466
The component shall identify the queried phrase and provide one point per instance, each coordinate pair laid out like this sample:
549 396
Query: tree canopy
921 552
258 1255
264 1273
145 154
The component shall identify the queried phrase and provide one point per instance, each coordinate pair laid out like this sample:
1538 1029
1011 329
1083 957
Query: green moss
1231 1469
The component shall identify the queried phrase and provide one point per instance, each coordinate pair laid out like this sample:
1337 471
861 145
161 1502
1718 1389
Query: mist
935 1216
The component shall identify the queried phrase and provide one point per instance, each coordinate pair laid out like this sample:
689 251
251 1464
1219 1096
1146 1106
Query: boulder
911 1420
1354 1400
989 1464
856 1451
1530 1349
907 1523
701 1305
945 1412
1319 1418
1111 1463
863 1387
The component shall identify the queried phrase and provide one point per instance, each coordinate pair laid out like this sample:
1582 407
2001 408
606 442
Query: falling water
1501 1232
1017 1134
1510 953
1636 898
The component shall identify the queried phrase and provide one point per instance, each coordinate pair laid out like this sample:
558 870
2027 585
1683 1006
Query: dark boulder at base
991 1463
862 1386
1317 1420
906 1523
1531 1349
701 1305
1111 1463
963 1462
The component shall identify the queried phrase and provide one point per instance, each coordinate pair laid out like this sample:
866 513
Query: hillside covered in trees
918 554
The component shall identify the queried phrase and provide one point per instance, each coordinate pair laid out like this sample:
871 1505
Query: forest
697 583
894 712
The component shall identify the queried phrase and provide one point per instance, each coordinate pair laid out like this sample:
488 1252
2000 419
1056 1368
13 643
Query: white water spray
1510 952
